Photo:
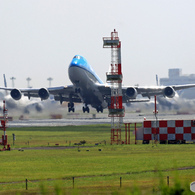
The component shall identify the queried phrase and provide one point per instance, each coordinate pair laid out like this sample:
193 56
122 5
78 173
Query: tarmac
100 119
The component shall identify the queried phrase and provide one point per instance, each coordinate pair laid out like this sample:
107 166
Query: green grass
64 136
138 165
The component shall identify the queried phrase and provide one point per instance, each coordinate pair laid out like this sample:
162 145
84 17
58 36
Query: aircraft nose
74 62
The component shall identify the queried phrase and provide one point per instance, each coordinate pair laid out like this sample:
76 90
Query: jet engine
131 92
169 92
43 93
16 94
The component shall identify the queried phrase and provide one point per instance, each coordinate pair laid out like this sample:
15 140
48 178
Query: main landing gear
70 107
99 109
85 109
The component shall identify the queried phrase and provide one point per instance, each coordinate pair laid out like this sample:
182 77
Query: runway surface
101 119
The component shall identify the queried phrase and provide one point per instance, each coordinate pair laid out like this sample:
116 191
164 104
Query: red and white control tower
114 77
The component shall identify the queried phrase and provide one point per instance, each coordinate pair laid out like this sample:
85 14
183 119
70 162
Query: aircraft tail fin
5 83
156 79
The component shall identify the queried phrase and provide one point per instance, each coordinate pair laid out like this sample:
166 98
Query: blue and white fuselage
86 83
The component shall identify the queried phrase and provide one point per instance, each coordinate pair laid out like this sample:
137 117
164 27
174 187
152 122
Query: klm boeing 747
87 88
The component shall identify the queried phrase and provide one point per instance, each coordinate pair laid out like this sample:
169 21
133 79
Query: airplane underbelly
78 76
94 97
88 89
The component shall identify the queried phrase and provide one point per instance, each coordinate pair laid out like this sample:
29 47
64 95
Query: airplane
88 88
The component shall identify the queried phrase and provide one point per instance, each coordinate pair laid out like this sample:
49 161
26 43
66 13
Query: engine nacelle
16 94
131 92
169 92
43 93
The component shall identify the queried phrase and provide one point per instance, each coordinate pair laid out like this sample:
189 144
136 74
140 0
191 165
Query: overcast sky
38 38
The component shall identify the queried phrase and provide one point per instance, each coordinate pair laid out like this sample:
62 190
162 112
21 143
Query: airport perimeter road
129 118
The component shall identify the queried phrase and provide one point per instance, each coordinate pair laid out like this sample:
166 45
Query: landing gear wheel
99 109
70 107
85 109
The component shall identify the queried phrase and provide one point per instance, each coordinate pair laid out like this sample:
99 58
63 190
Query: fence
80 181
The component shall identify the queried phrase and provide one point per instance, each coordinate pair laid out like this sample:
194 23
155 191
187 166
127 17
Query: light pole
13 78
28 81
50 79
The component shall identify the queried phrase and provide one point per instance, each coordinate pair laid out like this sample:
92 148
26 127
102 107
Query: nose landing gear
85 109
99 109
70 107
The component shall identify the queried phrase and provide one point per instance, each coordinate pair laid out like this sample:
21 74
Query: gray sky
38 38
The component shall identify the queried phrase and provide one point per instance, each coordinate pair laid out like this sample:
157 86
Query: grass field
64 136
97 169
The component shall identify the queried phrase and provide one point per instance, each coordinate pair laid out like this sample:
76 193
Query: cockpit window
78 57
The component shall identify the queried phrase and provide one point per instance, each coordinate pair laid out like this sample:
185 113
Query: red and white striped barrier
169 130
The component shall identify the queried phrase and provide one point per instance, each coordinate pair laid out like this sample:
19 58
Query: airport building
176 78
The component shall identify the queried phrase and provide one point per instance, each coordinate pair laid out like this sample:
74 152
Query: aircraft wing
106 92
168 91
130 93
179 87
67 93
62 93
